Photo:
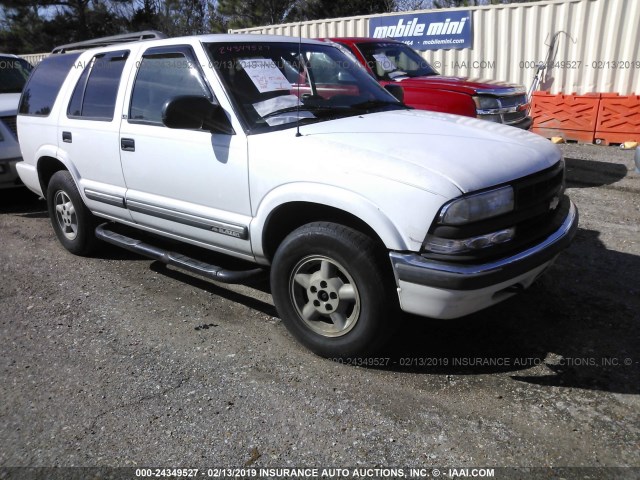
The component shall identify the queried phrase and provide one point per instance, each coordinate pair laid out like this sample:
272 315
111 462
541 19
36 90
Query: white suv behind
287 154
14 72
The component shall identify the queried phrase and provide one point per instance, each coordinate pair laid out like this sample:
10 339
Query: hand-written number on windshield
243 48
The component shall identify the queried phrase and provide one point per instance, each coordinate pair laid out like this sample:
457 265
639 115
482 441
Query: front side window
94 96
163 75
390 61
278 85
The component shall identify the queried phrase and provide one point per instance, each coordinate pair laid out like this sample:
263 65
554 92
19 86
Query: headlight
487 103
450 246
478 207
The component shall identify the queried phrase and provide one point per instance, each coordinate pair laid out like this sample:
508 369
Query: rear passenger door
88 132
190 184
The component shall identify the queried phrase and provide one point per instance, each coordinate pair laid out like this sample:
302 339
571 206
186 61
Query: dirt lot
118 361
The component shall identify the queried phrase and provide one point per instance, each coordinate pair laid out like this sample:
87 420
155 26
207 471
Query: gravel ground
118 361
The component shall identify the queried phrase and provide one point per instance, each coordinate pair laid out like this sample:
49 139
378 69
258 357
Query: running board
176 259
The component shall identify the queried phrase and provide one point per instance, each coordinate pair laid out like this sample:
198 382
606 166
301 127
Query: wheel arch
47 167
282 212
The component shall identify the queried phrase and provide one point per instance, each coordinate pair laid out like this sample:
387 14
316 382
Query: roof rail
114 39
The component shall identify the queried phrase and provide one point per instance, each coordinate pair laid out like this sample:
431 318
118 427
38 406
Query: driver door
188 184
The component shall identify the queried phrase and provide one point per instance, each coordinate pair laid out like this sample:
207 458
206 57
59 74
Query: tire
328 284
71 219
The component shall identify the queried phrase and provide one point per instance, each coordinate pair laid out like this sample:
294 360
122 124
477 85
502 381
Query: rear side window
44 84
164 73
94 97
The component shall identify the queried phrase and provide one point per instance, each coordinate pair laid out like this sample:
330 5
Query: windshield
391 61
276 85
13 74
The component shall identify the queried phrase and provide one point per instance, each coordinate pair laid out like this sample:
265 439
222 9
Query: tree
182 17
251 13
318 9
39 25
424 4
21 30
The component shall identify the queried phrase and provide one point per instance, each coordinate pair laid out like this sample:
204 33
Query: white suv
14 72
287 154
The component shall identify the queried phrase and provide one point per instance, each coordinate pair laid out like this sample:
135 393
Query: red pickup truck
394 63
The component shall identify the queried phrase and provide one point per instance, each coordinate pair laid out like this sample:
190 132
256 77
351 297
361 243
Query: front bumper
446 290
524 124
8 174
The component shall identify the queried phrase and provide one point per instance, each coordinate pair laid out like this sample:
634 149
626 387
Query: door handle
128 144
66 137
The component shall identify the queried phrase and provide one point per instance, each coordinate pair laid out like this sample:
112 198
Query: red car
394 63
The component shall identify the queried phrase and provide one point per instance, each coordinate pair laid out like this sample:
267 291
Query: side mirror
396 91
195 112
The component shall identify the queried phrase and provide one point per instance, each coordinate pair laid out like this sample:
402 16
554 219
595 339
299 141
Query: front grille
514 117
11 124
510 110
540 209
538 188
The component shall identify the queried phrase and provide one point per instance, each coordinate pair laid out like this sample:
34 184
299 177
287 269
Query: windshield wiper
371 104
308 108
421 74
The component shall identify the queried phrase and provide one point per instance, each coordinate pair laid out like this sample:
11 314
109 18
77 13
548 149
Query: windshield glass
13 74
275 85
391 61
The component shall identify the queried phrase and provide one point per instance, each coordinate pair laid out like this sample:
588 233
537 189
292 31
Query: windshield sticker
289 117
398 75
265 75
274 104
385 62
286 104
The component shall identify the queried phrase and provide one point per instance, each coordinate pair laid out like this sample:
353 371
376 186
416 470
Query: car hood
9 104
417 147
458 84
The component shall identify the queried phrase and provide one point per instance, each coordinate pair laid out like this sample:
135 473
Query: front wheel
71 219
328 285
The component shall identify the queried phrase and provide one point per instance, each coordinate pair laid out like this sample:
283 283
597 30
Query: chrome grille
513 117
509 109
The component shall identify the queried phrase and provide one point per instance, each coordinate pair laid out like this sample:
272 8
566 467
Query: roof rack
114 39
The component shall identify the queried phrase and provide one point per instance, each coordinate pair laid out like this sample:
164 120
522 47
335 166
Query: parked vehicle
286 153
394 63
14 72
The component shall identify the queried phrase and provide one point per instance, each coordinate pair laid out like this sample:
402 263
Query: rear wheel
72 221
328 286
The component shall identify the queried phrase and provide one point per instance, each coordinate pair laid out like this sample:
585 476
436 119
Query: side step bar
176 259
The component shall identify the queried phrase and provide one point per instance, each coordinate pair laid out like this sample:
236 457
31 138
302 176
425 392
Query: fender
330 196
29 172
53 151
